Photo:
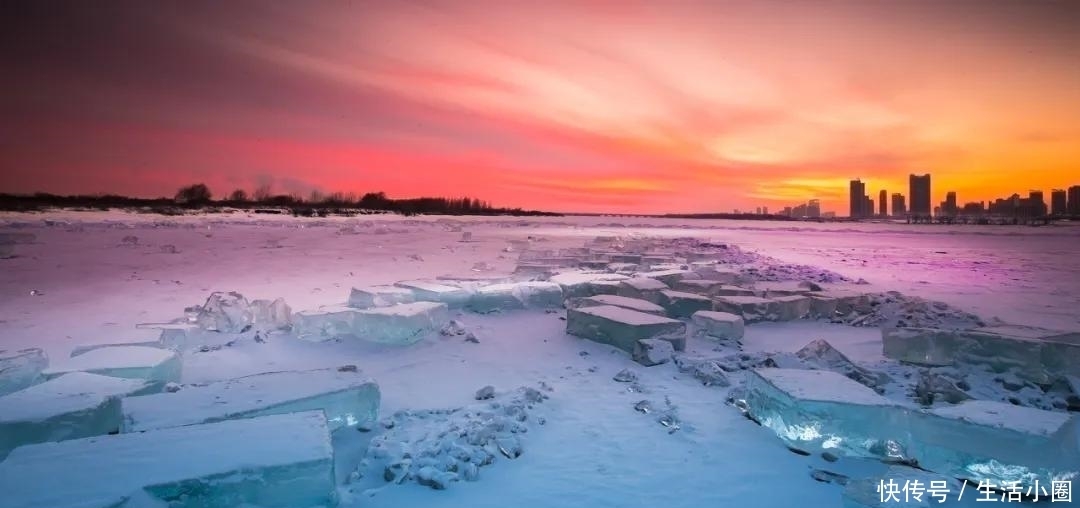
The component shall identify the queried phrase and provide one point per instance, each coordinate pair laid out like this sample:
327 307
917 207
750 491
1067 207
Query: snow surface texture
605 442
275 461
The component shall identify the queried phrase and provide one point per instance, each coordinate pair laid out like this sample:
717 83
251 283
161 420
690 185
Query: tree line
199 197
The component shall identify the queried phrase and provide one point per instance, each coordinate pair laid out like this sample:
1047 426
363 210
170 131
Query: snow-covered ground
80 278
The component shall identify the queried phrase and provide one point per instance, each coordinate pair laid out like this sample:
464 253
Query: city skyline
644 108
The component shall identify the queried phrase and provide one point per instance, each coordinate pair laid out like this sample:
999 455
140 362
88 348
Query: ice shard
133 362
816 411
70 406
622 328
326 323
578 284
642 288
21 368
279 461
751 308
348 398
400 324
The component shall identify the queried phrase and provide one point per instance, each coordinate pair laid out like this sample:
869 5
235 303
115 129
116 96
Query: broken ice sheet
622 328
400 324
21 368
70 406
279 461
133 362
346 397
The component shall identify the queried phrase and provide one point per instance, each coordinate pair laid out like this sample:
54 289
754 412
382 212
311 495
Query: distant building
757 210
787 211
813 209
868 206
829 215
976 209
799 211
919 193
1074 200
765 210
857 198
1038 205
883 198
899 208
949 207
1059 202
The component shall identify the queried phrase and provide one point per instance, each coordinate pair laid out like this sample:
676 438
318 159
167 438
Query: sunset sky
591 106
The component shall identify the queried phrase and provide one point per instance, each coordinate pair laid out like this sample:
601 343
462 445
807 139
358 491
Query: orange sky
590 106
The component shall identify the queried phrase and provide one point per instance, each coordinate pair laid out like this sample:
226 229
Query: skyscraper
868 206
883 198
1038 205
813 209
1074 200
949 206
899 208
857 196
919 194
1058 202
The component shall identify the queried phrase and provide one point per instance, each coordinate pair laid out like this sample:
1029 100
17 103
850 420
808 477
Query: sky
590 106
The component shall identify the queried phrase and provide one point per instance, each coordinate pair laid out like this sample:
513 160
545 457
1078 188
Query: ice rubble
70 406
642 288
146 337
820 410
650 352
717 325
346 397
20 369
819 354
325 323
579 284
133 362
273 461
225 312
752 308
617 301
622 328
1038 355
436 448
669 276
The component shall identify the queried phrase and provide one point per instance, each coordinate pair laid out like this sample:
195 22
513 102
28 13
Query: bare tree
262 193
238 196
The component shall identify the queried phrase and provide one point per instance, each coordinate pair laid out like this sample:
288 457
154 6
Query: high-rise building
868 206
1059 202
857 197
1038 205
883 209
813 209
919 195
949 206
765 210
899 208
1074 200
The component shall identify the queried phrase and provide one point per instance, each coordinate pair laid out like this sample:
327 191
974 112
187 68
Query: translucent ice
225 312
279 461
622 328
20 369
452 296
324 324
817 411
346 397
983 440
133 362
271 314
146 337
378 296
751 308
511 296
578 284
71 406
403 324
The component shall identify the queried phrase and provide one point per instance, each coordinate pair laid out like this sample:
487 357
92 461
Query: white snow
274 461
70 406
346 397
133 362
